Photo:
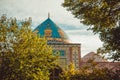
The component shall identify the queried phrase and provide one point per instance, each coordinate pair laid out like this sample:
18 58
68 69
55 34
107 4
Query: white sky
38 10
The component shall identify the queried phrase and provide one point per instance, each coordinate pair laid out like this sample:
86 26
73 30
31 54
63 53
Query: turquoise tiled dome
55 32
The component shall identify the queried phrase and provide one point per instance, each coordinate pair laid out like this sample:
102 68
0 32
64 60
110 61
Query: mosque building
69 52
58 40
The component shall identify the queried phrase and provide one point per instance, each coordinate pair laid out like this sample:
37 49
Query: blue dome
51 31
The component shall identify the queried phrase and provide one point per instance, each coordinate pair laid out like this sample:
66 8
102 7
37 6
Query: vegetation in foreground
23 54
89 72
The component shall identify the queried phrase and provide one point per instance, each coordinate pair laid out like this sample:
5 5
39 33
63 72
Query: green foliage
89 71
66 74
103 17
24 55
100 14
112 43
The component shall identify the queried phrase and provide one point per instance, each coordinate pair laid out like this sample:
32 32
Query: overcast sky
38 10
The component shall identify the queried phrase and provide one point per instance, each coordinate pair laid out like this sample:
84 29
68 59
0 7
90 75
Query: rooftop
51 31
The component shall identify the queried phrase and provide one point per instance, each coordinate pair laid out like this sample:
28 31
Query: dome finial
48 15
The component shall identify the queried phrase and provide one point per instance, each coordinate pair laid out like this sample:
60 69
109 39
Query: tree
23 54
87 71
111 44
102 16
66 74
